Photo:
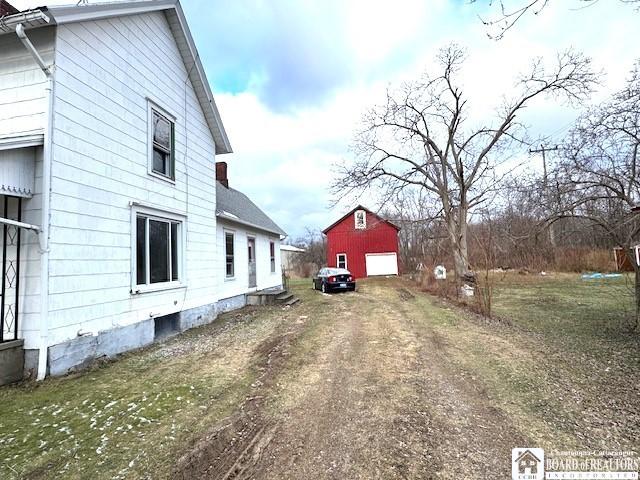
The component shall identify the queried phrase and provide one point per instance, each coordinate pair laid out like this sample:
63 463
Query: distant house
114 232
290 255
364 243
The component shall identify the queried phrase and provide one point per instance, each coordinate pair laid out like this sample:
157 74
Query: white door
381 264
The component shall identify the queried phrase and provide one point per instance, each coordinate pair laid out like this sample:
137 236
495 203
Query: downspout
46 202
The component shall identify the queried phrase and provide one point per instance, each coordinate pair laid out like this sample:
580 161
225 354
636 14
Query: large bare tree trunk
457 229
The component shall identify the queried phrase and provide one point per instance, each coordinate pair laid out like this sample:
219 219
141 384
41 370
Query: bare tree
315 252
508 16
420 139
420 233
599 178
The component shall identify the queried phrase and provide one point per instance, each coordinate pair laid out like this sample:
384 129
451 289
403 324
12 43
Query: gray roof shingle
235 206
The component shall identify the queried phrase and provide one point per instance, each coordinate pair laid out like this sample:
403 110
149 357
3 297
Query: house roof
236 207
359 207
60 15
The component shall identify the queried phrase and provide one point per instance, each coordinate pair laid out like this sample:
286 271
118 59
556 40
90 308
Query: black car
333 280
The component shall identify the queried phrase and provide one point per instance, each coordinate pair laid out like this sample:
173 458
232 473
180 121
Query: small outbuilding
364 243
290 255
623 258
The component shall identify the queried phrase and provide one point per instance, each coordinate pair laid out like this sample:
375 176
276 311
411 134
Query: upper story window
161 143
229 254
361 219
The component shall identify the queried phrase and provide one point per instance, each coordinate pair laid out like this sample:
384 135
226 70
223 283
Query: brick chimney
221 173
7 9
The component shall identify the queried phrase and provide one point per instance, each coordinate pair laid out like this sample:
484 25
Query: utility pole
544 150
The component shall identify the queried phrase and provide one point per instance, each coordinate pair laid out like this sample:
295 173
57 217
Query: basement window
158 251
361 219
341 260
161 143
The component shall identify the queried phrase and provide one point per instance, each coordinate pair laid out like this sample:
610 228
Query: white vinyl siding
23 97
105 73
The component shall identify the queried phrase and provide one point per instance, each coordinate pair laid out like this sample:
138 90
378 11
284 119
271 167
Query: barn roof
360 207
60 15
235 206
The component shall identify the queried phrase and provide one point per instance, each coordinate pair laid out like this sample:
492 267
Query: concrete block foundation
11 362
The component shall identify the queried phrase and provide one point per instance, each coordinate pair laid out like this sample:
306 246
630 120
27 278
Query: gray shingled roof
235 206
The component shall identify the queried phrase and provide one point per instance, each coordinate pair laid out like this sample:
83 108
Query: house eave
239 221
21 141
100 11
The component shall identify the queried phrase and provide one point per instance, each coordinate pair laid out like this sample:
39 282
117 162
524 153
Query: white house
108 140
250 241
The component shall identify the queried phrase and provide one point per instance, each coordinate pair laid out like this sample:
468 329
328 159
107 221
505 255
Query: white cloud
283 159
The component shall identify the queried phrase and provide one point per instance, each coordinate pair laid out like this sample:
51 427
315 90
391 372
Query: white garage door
381 264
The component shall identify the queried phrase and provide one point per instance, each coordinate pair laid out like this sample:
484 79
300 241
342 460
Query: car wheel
324 288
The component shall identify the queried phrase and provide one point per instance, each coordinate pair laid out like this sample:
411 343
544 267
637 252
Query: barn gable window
229 254
341 261
161 143
158 250
361 220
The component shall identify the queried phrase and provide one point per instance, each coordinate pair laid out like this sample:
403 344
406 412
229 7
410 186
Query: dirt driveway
386 382
360 386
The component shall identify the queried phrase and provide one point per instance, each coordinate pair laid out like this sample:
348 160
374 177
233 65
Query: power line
544 150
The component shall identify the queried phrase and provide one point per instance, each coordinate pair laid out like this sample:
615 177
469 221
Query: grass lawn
133 417
567 367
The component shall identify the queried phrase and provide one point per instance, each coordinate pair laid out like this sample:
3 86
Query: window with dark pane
141 250
159 251
163 145
158 257
272 251
229 254
174 252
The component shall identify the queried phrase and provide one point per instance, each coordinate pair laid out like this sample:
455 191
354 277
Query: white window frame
151 107
364 220
163 216
226 232
338 260
272 260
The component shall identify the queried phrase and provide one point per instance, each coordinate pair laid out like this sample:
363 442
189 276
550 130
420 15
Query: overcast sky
292 78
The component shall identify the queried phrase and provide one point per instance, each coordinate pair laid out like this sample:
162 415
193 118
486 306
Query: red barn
364 243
